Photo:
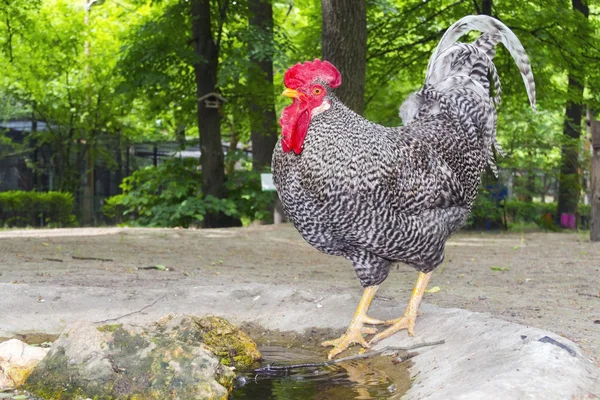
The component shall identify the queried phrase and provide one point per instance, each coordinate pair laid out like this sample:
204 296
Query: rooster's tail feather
497 32
465 76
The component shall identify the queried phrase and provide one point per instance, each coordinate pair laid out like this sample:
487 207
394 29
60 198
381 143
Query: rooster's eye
317 91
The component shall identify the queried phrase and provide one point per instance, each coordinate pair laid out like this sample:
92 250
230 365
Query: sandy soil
544 280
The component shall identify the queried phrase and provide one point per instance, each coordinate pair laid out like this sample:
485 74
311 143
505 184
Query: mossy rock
221 337
109 328
128 362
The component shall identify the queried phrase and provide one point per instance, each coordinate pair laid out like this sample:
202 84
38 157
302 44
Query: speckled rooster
378 195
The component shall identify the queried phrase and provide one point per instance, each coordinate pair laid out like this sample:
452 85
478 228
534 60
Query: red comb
300 74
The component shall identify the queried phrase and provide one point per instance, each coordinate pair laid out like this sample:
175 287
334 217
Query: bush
20 209
169 195
522 211
488 214
251 203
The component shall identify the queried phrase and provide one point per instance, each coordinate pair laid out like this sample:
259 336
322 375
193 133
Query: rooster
377 195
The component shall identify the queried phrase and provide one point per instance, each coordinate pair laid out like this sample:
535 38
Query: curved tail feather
487 24
466 77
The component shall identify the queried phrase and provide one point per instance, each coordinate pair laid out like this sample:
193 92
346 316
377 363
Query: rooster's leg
354 333
410 314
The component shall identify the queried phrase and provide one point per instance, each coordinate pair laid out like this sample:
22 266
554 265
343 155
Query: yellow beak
291 93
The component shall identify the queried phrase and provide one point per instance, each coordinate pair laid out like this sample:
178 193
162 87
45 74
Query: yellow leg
356 329
410 314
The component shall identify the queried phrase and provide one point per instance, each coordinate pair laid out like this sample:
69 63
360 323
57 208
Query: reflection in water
377 378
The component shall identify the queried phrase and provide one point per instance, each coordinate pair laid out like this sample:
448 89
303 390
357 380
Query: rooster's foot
410 315
356 329
354 334
406 322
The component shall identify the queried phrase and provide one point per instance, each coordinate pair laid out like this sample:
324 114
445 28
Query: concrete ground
522 288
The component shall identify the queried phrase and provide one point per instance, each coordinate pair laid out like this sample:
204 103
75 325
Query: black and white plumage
378 195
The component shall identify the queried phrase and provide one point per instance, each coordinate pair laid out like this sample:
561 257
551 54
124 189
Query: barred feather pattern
377 195
462 73
492 27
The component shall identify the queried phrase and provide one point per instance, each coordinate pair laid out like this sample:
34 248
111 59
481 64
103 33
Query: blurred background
164 113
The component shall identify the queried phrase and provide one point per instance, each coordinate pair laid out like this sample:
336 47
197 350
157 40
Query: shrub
170 195
20 209
488 214
251 203
522 211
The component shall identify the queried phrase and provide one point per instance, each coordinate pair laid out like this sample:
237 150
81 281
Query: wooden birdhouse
213 100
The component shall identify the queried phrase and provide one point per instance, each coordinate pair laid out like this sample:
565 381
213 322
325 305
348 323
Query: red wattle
294 122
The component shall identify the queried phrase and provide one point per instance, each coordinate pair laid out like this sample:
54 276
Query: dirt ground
545 280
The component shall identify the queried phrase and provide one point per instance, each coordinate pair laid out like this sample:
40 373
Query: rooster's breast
337 182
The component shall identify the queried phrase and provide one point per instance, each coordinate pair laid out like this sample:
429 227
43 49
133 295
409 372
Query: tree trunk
209 121
486 7
544 187
87 206
595 183
569 185
233 142
263 121
344 44
530 186
118 154
569 180
36 152
88 181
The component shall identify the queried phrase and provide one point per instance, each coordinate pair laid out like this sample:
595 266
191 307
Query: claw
356 329
369 330
372 321
353 335
407 322
396 320
410 315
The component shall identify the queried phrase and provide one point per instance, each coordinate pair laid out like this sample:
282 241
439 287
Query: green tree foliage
138 81
263 121
155 63
49 75
558 40
570 181
213 42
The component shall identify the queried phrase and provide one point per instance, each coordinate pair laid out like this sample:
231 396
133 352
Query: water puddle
380 377
377 377
34 338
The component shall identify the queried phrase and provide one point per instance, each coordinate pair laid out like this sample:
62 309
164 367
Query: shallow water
377 378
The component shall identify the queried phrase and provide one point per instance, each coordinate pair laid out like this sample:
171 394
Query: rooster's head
309 85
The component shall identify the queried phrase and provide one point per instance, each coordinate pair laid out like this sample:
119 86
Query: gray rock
17 360
124 361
